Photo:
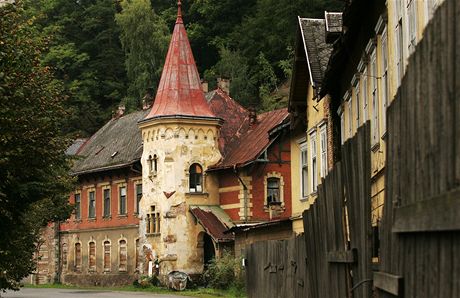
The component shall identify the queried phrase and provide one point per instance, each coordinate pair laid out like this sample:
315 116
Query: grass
200 292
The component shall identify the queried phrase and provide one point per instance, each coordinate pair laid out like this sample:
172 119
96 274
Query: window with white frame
122 200
375 100
304 169
412 20
273 191
384 80
323 148
358 106
314 163
365 94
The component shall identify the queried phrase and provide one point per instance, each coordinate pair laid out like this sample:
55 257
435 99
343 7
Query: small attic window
114 154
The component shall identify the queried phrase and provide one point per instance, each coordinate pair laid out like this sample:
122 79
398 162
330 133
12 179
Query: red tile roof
252 140
233 114
179 91
207 216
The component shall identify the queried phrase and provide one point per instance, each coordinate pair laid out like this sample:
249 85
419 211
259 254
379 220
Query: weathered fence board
277 268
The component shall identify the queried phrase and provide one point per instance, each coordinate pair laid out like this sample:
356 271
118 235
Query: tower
179 143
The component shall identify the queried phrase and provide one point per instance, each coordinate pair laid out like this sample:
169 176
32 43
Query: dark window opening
92 205
196 178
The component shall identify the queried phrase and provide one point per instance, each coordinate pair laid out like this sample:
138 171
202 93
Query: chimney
224 84
205 86
252 116
120 111
147 100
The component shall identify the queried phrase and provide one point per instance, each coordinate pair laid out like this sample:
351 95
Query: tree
145 38
85 52
34 179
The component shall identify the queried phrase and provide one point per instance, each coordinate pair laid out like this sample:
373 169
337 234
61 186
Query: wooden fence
420 229
420 242
277 269
319 262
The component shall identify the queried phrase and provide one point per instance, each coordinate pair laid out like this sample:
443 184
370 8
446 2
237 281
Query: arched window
196 178
107 255
273 190
92 256
123 257
77 256
153 164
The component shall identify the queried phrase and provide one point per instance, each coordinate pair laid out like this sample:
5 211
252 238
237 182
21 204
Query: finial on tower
179 12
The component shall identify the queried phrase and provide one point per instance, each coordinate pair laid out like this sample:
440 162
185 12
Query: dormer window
196 178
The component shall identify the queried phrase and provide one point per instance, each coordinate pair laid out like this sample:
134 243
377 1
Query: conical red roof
179 92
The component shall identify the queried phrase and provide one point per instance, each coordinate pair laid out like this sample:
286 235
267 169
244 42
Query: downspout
245 194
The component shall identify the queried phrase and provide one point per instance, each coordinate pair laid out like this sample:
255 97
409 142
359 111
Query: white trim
313 162
305 49
303 166
381 24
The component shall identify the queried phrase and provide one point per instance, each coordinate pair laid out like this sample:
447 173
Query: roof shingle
318 51
118 143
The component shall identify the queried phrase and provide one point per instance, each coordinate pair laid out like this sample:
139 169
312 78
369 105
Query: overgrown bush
224 273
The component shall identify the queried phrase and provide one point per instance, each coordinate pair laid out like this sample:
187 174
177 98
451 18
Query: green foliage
86 54
34 179
224 273
145 38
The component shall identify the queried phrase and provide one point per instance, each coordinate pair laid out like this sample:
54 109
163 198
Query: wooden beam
441 213
345 256
388 283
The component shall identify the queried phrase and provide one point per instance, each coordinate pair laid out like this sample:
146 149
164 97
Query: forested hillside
108 52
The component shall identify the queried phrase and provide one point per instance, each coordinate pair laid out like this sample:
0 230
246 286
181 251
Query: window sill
153 234
122 215
77 220
191 194
91 219
375 147
303 199
107 217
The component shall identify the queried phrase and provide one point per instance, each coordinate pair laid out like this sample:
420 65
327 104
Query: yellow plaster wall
316 117
178 144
